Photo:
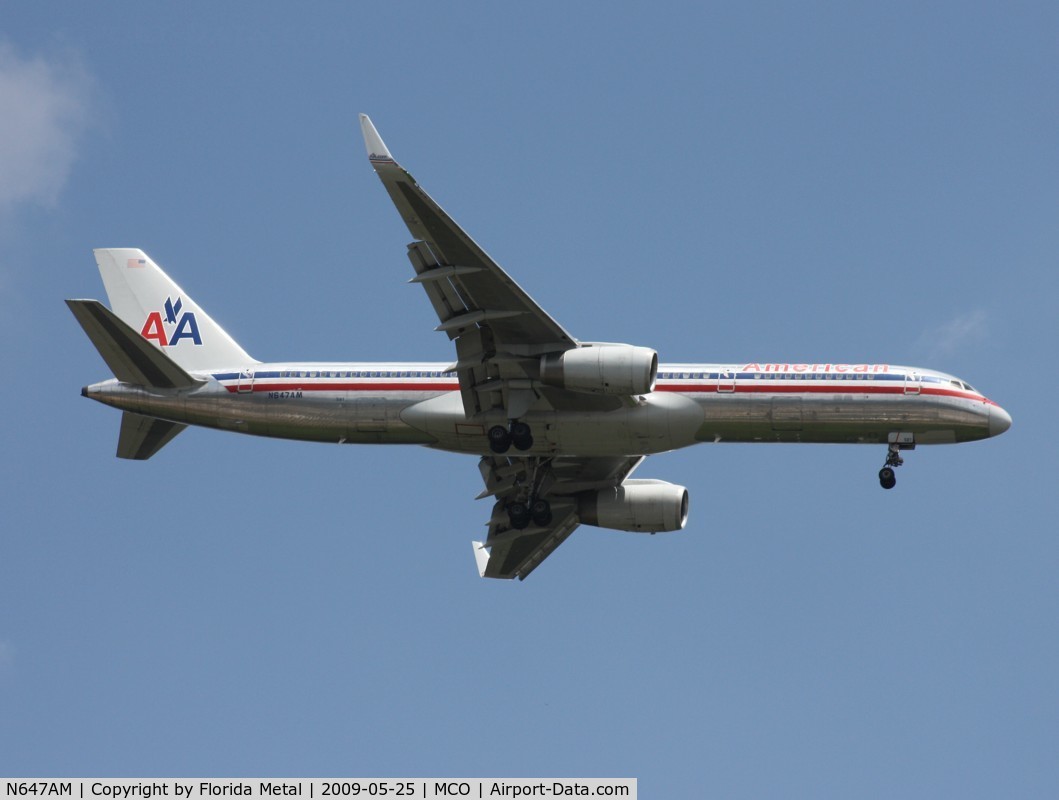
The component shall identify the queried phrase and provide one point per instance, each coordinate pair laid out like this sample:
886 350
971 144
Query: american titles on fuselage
824 368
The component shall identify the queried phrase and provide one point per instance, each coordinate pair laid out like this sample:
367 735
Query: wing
511 553
499 331
500 335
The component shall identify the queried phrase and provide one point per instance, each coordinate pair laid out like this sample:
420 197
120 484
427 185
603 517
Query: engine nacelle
642 506
619 369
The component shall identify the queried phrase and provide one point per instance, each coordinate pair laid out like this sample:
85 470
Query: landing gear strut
501 438
530 480
887 479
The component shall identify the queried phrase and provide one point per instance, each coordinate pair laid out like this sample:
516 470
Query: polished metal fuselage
421 404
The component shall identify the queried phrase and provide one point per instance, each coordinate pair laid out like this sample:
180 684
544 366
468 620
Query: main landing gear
529 481
501 439
539 512
887 479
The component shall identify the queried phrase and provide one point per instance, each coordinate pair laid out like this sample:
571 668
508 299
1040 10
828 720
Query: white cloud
44 108
961 331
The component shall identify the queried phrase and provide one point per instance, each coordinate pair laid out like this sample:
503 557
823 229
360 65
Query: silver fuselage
418 403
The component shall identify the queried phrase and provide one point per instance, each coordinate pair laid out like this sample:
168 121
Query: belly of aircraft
653 423
840 418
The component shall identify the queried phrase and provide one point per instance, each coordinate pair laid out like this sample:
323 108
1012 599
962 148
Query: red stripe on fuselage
684 388
261 386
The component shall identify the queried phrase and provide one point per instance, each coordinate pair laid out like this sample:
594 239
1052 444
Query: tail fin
148 300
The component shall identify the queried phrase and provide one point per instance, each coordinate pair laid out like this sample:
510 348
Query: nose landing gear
898 442
887 479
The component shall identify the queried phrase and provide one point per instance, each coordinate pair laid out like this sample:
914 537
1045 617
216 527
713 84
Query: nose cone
999 420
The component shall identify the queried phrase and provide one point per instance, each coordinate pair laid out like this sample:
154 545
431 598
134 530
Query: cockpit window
970 388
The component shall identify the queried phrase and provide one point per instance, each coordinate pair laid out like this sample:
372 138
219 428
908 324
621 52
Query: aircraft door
726 382
245 384
912 383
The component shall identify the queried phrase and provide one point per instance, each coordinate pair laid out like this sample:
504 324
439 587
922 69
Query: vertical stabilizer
148 300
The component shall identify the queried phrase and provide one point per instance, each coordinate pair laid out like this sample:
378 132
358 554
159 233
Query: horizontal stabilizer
141 437
130 357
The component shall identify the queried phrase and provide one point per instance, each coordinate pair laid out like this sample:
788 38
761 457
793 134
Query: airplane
559 425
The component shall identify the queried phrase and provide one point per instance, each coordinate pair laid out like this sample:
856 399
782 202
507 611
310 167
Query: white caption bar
313 788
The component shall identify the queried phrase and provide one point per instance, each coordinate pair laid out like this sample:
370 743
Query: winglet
481 555
373 142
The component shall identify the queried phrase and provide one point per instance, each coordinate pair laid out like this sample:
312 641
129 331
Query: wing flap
488 288
517 556
515 553
443 297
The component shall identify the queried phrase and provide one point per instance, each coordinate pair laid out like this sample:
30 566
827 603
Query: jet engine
619 369
641 506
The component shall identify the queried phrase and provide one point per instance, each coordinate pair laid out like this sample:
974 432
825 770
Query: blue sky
803 182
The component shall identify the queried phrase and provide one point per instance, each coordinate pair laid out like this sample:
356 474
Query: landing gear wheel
519 515
541 512
499 439
521 436
887 479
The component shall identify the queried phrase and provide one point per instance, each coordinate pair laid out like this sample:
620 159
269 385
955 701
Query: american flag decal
135 263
